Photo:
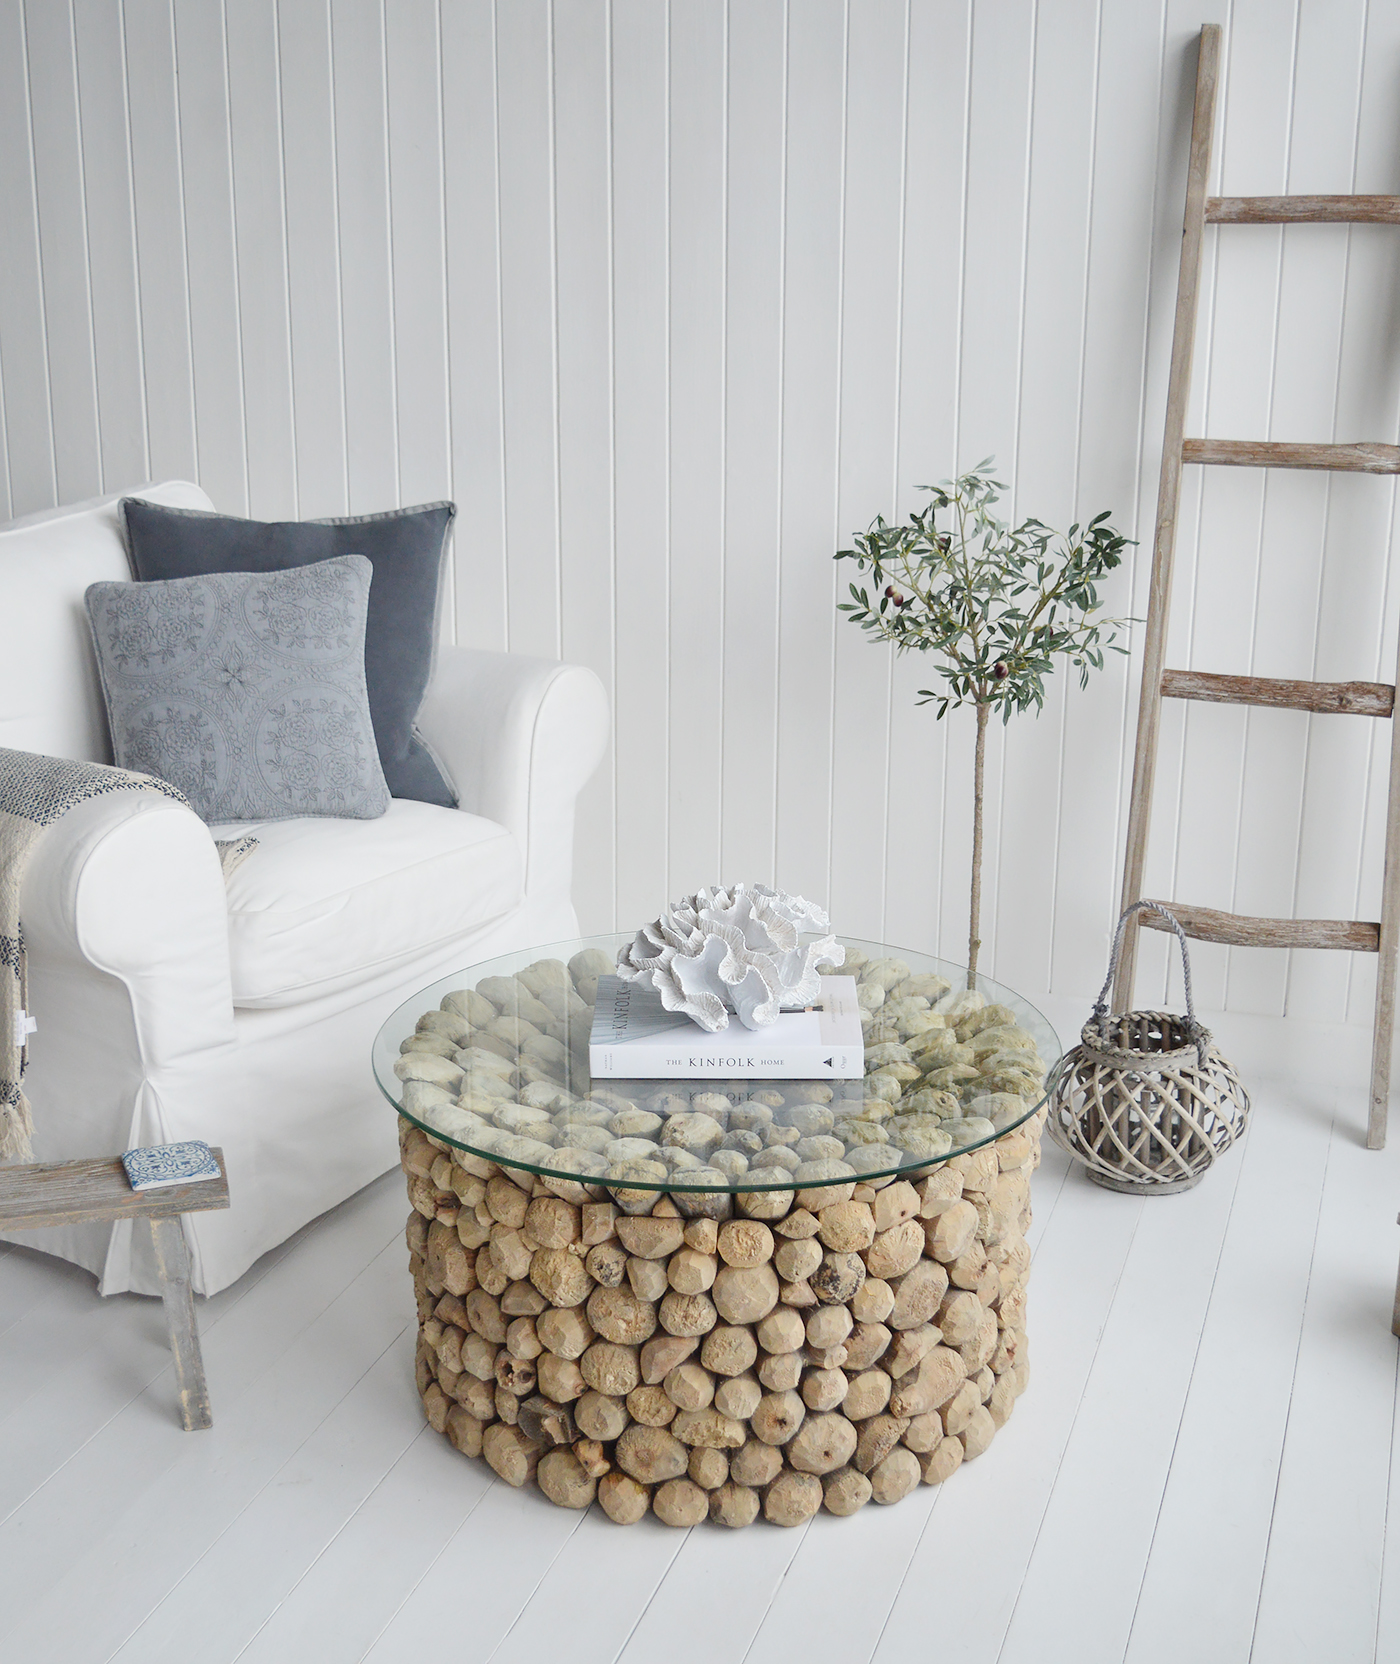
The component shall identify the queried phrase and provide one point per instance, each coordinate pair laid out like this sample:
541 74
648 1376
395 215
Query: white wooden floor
1201 1469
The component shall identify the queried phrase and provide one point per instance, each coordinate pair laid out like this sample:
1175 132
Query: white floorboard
1203 1468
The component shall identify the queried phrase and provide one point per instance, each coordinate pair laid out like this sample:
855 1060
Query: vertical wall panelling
472 216
584 289
1338 862
528 323
153 119
1373 271
313 263
869 417
366 276
259 211
752 436
1113 441
699 86
674 298
63 246
810 532
103 100
1181 30
639 50
210 253
29 452
1298 511
1252 147
1054 283
416 200
936 80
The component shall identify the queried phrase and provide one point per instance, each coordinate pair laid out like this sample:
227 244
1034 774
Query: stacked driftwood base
772 1354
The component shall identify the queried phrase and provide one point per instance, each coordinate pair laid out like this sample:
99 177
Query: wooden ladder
1158 682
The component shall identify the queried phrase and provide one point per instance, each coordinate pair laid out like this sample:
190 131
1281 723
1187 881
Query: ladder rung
1340 698
1258 453
1303 210
1239 931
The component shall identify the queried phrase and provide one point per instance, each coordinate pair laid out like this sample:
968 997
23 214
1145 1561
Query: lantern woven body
1146 1100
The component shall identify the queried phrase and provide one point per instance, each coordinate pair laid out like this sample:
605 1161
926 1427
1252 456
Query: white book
634 1037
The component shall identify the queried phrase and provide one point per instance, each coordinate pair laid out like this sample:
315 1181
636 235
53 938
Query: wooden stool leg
173 1263
1395 1315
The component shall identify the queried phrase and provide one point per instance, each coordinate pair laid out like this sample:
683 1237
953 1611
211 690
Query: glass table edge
911 1169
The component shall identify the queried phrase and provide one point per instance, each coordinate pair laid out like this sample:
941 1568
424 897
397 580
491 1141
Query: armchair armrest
519 736
125 918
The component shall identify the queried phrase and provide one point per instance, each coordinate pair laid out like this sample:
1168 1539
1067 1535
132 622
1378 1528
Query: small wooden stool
68 1192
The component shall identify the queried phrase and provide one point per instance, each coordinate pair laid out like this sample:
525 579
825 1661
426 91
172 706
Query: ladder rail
1168 496
1303 210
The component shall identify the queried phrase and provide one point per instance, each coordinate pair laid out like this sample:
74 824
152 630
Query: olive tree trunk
974 941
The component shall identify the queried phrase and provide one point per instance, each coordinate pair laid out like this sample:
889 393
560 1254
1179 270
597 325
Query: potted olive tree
994 604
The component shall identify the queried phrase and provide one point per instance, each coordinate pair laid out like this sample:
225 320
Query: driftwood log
843 1348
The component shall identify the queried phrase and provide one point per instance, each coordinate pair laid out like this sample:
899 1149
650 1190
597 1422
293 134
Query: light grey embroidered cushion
245 689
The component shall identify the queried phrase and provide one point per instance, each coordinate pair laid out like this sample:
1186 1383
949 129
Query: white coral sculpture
733 948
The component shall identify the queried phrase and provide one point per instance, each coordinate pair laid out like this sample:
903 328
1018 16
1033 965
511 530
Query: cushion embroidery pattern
245 690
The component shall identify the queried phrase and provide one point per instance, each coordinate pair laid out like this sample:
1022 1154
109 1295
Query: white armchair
174 1005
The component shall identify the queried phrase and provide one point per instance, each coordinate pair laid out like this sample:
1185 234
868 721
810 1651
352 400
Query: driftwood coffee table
718 1299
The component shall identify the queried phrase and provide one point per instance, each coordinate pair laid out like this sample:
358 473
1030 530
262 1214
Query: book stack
636 1039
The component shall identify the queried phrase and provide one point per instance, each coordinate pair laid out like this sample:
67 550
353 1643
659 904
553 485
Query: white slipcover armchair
172 1005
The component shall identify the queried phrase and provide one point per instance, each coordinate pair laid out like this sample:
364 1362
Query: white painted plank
1312 288
698 85
1132 1406
1226 1464
588 1563
142 1442
163 291
501 1553
420 303
28 425
474 324
255 120
387 1545
640 323
60 1405
366 280
930 314
1059 179
211 258
63 245
754 234
810 532
587 585
1374 271
221 1602
161 1532
1113 440
528 324
313 259
1001 1497
103 99
869 393
1321 1588
748 1565
988 390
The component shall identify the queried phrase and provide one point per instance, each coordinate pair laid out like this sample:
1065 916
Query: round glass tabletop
493 1060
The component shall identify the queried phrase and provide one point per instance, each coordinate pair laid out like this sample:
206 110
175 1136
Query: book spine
640 1061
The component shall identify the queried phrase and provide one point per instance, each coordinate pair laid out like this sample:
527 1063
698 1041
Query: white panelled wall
673 298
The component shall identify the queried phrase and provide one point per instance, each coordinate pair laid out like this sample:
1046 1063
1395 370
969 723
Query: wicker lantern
1146 1101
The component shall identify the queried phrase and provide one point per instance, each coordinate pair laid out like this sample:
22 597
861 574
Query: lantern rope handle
1193 1028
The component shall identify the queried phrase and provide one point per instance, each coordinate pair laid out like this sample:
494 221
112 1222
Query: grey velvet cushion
405 547
245 689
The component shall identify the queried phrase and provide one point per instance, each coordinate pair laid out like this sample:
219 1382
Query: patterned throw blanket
36 791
